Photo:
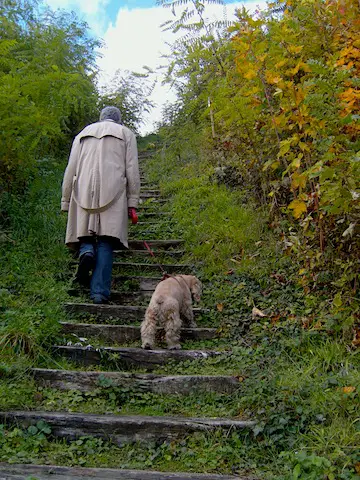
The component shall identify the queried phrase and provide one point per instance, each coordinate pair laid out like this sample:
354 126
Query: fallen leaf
240 378
348 389
220 307
257 313
357 467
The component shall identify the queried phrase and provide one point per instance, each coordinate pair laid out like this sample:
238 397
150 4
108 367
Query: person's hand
132 214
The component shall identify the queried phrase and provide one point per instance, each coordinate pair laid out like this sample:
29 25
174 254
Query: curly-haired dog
169 305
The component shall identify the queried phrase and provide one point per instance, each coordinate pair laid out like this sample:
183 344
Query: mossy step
149 214
150 200
147 382
121 429
145 253
129 333
119 297
149 194
54 472
179 268
138 282
126 312
130 357
151 267
150 191
135 244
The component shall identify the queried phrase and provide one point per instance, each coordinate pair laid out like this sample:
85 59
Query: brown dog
169 305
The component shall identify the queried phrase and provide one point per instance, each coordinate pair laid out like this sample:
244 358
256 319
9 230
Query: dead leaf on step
257 313
220 307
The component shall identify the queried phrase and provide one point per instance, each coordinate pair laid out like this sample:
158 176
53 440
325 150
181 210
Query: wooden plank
54 472
130 357
127 312
130 333
121 428
146 382
139 282
135 244
154 267
118 297
145 253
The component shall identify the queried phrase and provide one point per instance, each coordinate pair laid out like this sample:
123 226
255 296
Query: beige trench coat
100 182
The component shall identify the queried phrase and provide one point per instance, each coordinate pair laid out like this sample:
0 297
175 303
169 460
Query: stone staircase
109 335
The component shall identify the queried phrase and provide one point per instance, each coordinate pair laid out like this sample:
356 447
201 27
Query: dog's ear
196 288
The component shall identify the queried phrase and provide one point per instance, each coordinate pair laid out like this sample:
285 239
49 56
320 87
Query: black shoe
86 264
99 300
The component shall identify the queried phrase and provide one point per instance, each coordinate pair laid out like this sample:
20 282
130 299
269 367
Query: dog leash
163 271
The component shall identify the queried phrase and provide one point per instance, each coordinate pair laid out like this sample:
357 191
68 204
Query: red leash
165 275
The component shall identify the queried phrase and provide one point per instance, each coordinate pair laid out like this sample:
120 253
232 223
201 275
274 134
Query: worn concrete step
135 244
146 382
177 268
129 333
119 297
145 253
54 472
127 313
121 428
130 357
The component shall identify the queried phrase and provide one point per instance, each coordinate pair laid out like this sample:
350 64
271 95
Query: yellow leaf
298 180
250 74
220 307
298 207
348 389
295 49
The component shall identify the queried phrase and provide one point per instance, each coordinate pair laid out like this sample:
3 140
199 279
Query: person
100 190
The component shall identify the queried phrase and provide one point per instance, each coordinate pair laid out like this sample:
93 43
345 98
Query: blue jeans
102 250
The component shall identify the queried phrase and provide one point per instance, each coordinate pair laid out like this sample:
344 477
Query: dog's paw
146 346
174 347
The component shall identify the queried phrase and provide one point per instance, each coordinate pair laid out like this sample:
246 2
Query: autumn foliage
284 95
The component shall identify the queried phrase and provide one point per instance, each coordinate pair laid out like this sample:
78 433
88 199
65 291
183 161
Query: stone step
130 357
146 382
54 472
119 297
126 313
129 333
145 253
154 267
121 428
135 244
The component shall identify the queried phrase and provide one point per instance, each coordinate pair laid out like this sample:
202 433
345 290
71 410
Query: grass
298 378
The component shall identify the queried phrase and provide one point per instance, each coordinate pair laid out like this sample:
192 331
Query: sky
130 30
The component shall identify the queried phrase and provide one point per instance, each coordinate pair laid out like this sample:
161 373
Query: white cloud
92 11
135 39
